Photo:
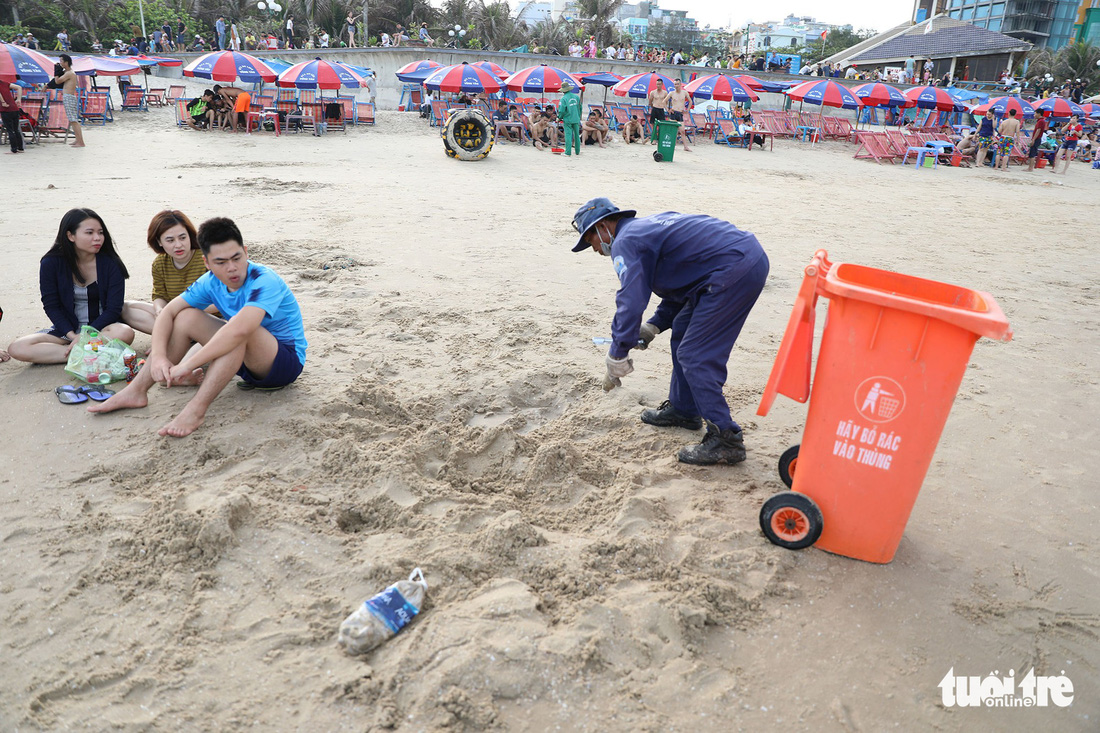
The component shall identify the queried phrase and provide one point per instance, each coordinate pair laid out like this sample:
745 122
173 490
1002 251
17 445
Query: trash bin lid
974 310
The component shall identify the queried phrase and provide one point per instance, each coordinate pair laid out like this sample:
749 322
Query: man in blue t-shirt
262 341
708 274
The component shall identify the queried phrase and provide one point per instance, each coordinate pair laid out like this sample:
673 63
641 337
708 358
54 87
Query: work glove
616 370
647 333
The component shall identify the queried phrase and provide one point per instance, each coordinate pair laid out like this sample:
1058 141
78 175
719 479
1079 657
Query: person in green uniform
569 112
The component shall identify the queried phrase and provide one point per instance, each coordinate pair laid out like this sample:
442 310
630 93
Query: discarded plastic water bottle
381 617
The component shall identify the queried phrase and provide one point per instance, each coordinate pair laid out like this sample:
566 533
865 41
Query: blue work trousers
703 335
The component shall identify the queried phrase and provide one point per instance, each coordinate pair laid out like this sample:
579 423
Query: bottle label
392 609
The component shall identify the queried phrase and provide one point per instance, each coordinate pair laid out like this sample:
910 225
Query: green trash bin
667 131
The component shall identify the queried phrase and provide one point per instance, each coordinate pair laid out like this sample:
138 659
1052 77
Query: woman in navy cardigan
83 282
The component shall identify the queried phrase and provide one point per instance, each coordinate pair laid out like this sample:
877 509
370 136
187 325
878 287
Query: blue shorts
284 370
1069 144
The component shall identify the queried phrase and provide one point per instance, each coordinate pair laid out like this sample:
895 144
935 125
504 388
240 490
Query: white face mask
605 247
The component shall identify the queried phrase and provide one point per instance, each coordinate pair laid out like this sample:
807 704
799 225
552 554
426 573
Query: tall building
1045 23
1087 28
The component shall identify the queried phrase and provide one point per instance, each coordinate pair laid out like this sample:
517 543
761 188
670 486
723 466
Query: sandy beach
450 417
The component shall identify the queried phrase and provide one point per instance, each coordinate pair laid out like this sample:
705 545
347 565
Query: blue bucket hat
591 214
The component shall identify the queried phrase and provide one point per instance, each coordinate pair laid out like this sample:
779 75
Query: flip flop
95 392
248 387
69 395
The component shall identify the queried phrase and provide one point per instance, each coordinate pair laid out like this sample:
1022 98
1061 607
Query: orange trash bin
893 352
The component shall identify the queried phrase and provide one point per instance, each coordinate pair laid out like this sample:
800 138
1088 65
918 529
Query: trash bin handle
790 374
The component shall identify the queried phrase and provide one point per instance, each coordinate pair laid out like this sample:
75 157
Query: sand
450 417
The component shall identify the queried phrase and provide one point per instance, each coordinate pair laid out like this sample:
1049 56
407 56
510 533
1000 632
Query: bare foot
184 424
191 380
76 145
127 398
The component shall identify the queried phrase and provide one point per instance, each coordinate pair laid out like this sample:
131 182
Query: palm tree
1078 61
497 28
599 14
551 34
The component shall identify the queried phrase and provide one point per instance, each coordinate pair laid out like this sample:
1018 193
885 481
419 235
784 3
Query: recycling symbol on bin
880 399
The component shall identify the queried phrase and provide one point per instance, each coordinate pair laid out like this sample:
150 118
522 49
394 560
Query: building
963 49
533 13
792 32
635 19
1043 23
1087 28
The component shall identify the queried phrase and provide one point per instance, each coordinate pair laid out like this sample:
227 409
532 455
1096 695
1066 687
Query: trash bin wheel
787 462
657 156
791 520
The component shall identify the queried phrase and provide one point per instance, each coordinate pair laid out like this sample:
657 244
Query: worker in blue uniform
708 274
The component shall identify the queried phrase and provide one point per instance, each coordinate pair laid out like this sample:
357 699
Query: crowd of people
209 306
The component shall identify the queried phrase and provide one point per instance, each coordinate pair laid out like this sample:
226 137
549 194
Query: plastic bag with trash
96 360
381 617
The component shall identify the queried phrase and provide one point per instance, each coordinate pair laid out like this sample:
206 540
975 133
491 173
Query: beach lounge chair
873 145
620 116
288 95
701 124
94 108
29 127
307 96
180 108
56 123
155 96
264 101
364 113
439 111
134 98
727 134
175 91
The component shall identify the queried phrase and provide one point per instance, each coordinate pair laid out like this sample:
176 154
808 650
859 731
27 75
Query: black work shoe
667 416
718 446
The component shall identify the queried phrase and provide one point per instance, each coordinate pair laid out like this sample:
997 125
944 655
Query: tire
468 135
787 463
791 520
657 156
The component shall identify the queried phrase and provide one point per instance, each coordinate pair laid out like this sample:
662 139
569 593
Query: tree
837 40
598 14
1075 61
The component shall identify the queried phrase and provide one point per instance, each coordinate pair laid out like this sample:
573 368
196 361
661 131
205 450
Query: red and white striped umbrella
934 98
499 71
640 85
1059 107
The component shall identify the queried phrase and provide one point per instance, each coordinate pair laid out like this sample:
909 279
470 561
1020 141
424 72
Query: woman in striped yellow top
178 264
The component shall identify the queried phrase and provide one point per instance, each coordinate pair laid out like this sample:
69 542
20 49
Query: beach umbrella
1001 106
603 78
418 70
877 94
105 66
826 93
1091 109
230 66
935 98
463 77
542 79
720 88
498 71
318 74
640 85
144 60
24 63
1059 107
759 85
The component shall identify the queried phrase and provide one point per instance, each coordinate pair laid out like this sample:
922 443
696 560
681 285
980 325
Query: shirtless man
544 128
632 130
679 103
66 80
227 106
658 99
594 128
1007 131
